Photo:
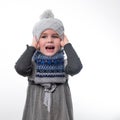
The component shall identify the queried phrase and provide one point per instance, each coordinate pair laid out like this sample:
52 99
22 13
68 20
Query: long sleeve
74 64
24 65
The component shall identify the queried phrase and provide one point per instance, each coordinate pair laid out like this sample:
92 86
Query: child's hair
47 21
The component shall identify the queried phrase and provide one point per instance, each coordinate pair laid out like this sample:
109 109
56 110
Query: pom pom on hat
47 14
47 21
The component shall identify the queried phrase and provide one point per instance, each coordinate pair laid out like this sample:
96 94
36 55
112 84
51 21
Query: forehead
49 31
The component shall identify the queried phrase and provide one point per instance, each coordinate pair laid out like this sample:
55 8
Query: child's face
49 42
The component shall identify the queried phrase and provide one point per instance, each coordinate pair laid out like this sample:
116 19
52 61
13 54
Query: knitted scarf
49 69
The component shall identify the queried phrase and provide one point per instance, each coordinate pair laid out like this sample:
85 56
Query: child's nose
50 39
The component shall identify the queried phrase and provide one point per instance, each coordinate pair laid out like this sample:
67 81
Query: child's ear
38 46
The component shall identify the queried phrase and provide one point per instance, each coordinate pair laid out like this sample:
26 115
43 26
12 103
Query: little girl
48 95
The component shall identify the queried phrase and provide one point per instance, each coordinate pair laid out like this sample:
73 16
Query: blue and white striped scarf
49 67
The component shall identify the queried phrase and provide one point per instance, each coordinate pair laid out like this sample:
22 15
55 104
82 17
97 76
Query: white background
93 27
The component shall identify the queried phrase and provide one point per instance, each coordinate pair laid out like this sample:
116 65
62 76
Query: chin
50 53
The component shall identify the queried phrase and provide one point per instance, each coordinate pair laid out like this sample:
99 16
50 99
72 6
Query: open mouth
50 47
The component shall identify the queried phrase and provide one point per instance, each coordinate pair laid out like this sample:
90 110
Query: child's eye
55 36
44 36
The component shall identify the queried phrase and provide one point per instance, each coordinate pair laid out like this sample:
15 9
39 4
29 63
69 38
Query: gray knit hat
47 21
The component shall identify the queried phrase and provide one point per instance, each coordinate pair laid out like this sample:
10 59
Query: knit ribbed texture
47 21
74 63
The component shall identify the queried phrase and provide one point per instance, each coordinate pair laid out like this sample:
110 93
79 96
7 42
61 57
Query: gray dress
61 102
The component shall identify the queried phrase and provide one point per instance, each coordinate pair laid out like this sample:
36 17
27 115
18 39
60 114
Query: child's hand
35 43
64 41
